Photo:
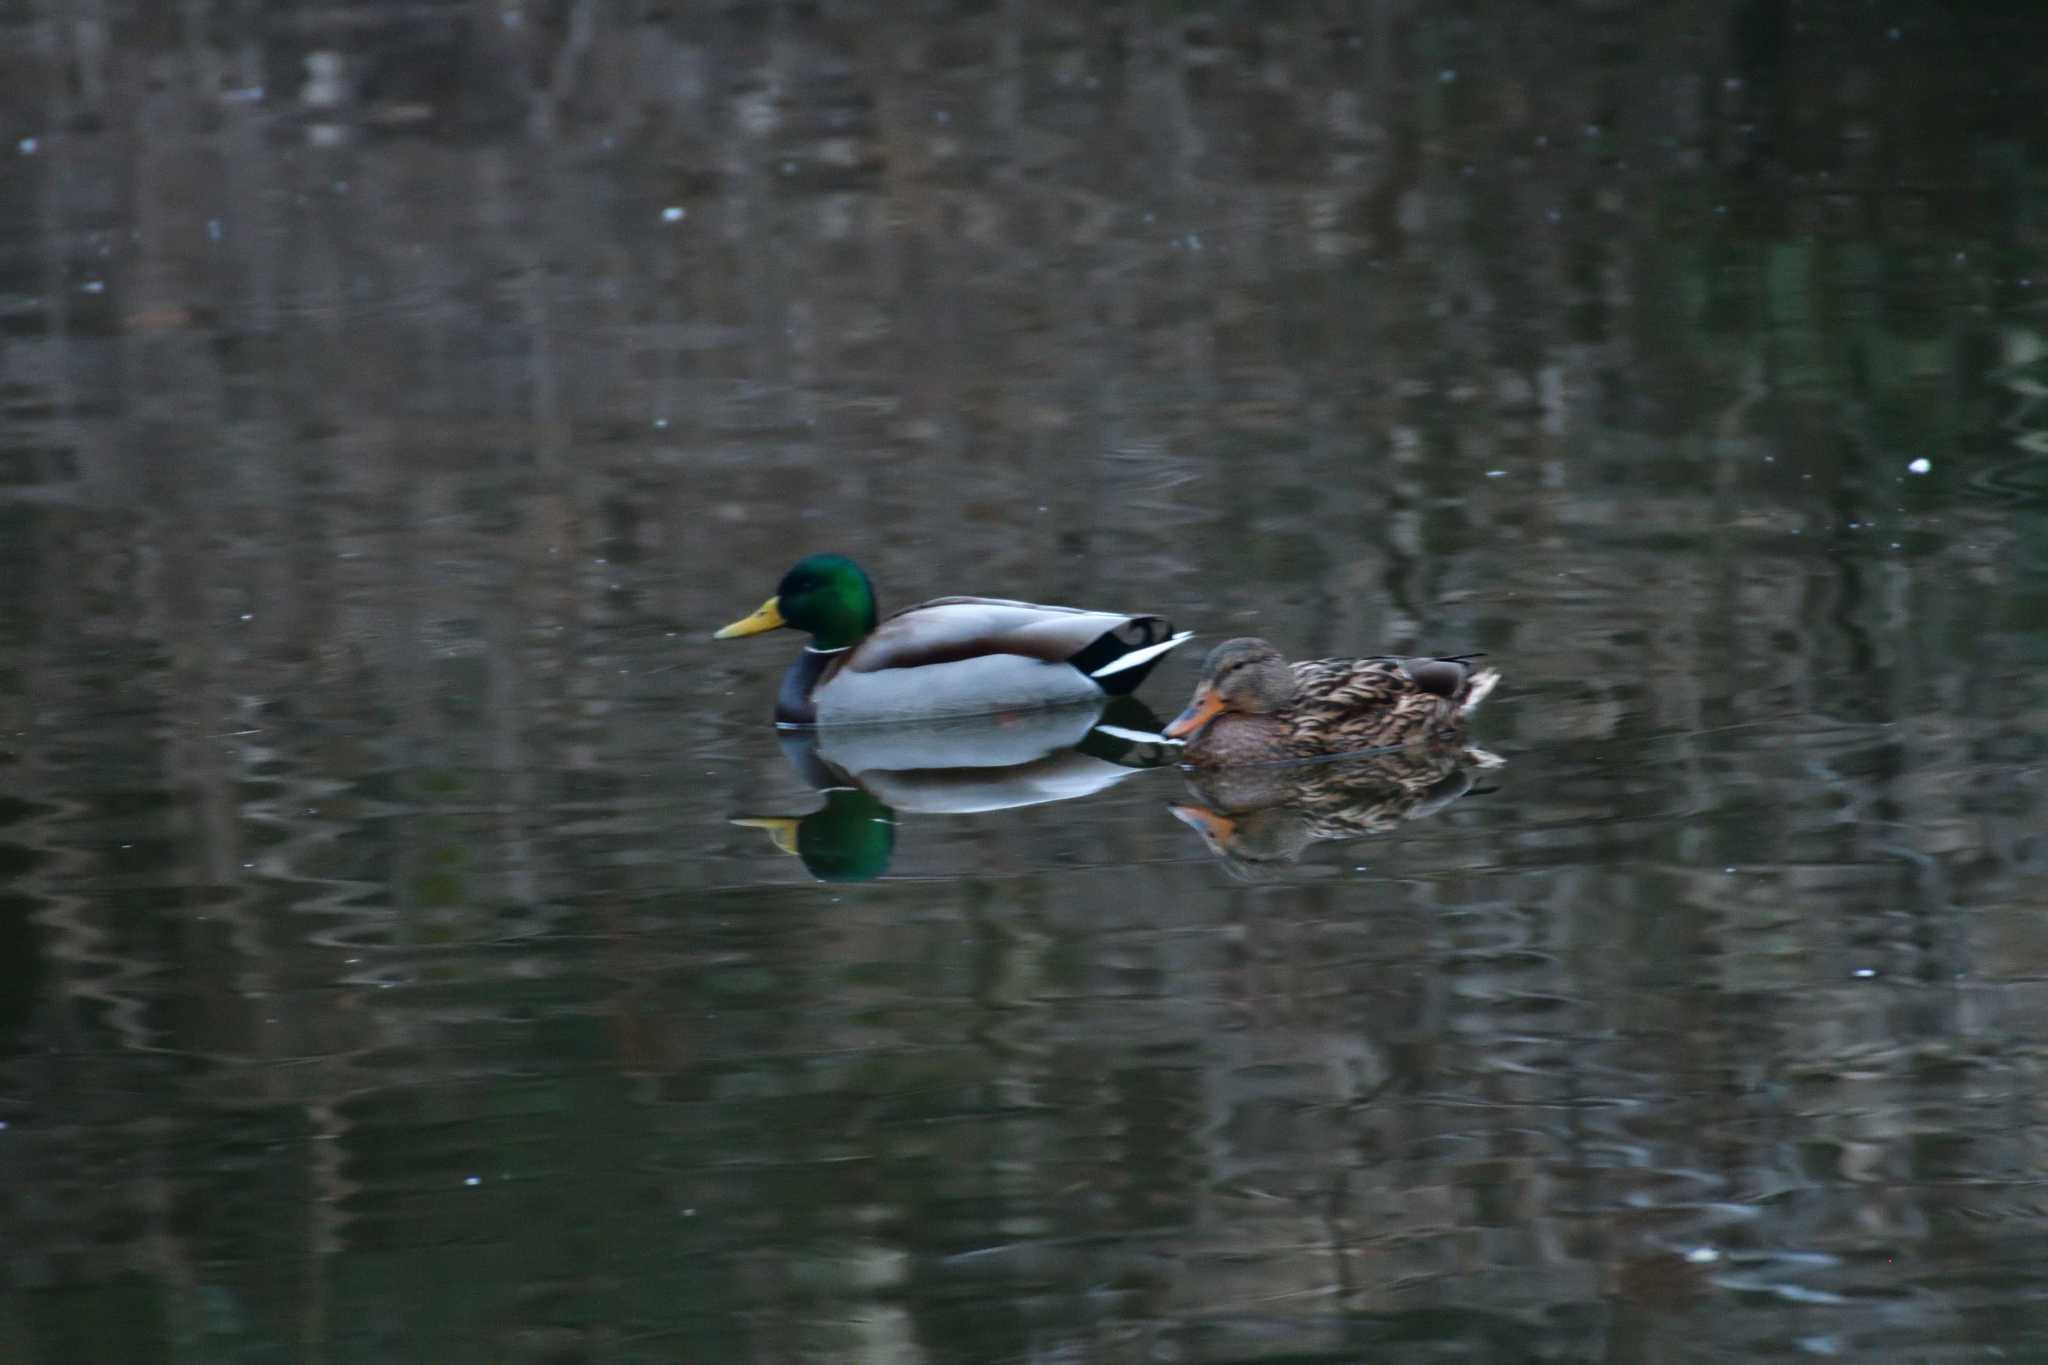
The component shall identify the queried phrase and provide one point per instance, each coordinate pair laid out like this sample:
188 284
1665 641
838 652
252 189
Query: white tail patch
1483 683
1140 656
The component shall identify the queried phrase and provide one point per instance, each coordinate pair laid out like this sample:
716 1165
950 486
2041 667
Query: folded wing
947 629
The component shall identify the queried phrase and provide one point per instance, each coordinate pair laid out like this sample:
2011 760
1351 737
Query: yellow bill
769 617
781 828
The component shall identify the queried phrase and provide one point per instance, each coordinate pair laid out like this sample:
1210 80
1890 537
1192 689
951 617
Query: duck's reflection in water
871 773
1259 818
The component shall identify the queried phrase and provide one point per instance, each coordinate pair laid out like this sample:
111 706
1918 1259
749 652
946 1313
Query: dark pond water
394 396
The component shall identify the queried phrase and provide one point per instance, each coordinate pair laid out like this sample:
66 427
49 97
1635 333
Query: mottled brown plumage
1252 706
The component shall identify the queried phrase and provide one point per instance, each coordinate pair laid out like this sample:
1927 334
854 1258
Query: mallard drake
1255 816
951 656
1253 706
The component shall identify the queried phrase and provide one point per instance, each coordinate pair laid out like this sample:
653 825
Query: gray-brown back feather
1338 695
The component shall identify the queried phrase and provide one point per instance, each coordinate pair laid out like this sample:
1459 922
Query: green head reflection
849 839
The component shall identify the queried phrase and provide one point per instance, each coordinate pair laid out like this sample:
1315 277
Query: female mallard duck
1253 706
951 656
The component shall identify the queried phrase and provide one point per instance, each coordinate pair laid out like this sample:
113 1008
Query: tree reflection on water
393 396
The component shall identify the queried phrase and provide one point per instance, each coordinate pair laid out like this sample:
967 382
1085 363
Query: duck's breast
1234 738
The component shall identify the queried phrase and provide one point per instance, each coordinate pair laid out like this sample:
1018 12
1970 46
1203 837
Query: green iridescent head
826 595
850 839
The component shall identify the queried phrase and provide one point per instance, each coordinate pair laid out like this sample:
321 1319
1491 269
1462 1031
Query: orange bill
1204 708
1216 829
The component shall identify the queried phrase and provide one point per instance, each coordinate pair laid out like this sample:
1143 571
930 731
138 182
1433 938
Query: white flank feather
1139 656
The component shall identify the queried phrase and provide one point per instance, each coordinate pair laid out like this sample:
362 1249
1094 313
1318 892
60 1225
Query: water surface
394 397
